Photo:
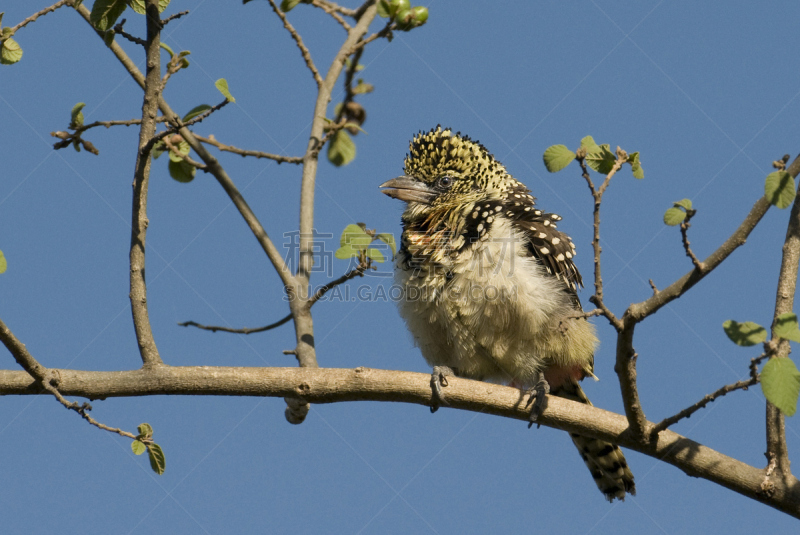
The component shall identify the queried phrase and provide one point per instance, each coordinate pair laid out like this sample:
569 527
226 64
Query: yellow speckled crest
439 152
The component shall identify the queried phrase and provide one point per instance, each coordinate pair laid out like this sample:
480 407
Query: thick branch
141 179
336 385
784 303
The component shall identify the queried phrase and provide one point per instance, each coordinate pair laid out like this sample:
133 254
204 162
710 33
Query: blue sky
707 94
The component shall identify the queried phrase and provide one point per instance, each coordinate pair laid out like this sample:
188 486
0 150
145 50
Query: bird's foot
537 399
438 380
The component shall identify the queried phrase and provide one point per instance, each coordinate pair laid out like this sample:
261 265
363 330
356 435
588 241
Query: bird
489 286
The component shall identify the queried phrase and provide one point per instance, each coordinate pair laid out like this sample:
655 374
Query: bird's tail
605 460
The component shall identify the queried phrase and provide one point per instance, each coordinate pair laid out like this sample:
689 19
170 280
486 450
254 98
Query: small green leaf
222 85
194 112
355 237
106 12
343 253
589 144
10 52
157 460
636 165
288 5
181 171
139 5
780 382
786 327
341 149
138 447
557 158
183 148
388 239
745 334
779 189
158 150
375 255
674 216
3 263
686 203
383 9
166 47
108 37
363 88
601 159
145 430
76 115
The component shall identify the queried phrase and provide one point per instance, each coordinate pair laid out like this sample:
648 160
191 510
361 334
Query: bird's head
446 174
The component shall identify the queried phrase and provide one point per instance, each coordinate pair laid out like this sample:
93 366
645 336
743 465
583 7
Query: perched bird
490 287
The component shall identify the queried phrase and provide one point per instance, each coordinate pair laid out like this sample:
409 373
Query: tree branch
299 40
321 385
255 153
784 302
45 11
138 294
685 239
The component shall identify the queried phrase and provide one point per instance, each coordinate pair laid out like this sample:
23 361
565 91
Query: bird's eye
444 182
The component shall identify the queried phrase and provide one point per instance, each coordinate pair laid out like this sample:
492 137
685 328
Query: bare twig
332 11
118 29
138 294
174 150
299 40
653 286
45 11
356 272
386 31
255 153
172 17
685 238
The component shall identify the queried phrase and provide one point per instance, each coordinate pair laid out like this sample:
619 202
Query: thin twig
332 11
118 29
385 32
299 40
353 273
172 17
653 286
174 150
708 398
347 12
685 238
255 153
562 324
45 11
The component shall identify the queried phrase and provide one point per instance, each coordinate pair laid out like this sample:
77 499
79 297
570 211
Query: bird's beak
409 189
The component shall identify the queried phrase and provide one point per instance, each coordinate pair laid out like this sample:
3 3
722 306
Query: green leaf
139 5
375 255
157 460
686 203
383 9
786 327
601 159
355 237
10 52
674 216
76 115
341 149
745 334
557 158
3 263
363 88
589 144
145 430
158 150
779 189
288 5
194 112
108 37
166 47
388 239
106 12
343 253
183 148
636 165
138 447
222 85
181 171
780 382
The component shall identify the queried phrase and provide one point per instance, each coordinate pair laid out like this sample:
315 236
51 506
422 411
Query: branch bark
141 179
330 385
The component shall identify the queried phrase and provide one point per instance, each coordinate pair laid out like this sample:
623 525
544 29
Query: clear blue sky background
707 94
